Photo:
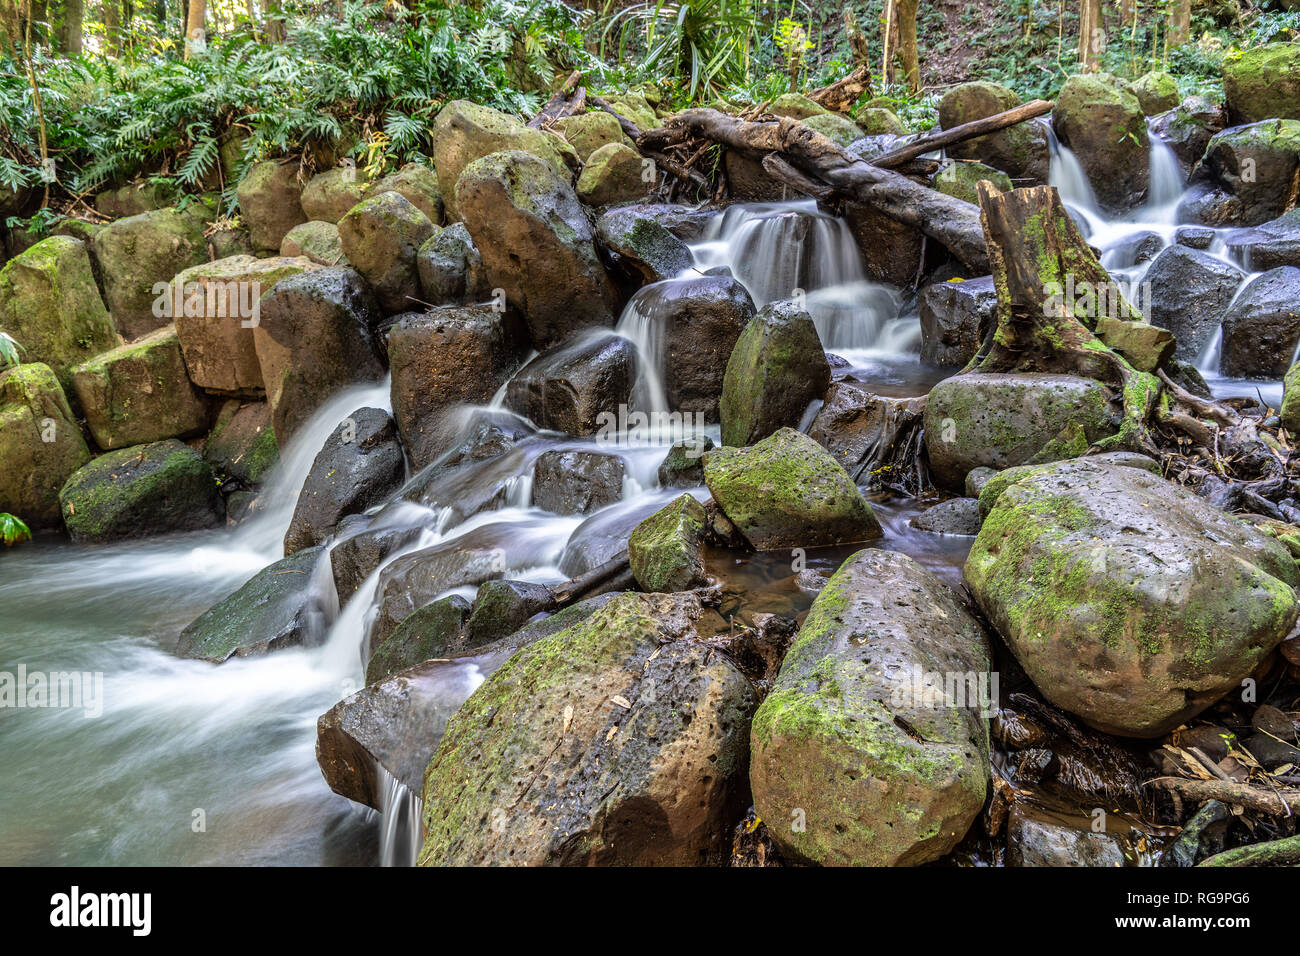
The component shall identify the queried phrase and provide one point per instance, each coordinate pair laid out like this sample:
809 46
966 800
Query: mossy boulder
872 748
1263 83
872 121
796 106
1291 400
983 419
380 237
316 240
1257 165
1157 91
840 129
666 549
450 268
777 368
1128 600
435 630
503 607
1020 151
140 393
51 306
1103 123
634 105
960 180
328 196
40 444
683 466
464 131
642 247
144 490
537 244
135 198
787 492
642 731
270 202
242 446
280 606
613 174
989 487
417 184
588 132
217 307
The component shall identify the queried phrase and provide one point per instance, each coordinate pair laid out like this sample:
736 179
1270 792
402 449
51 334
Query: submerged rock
1037 841
872 747
40 444
620 740
786 492
573 387
1128 600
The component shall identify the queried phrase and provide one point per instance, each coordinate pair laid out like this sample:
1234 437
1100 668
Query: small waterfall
1071 181
642 324
400 813
1166 183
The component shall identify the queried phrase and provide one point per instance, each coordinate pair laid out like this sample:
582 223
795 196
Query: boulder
1267 246
359 466
590 132
776 370
603 537
1188 128
503 607
270 201
666 549
1263 83
1190 292
696 323
280 606
328 196
960 179
633 776
144 490
1128 600
687 223
991 486
1003 420
1261 330
242 446
537 244
314 339
955 317
1156 91
635 106
1020 151
683 466
381 237
1103 123
50 304
641 245
135 198
955 516
872 748
576 482
355 557
796 106
418 184
317 241
137 254
571 387
220 307
1257 164
613 174
435 630
1290 410
450 268
40 444
440 359
1208 203
139 393
787 492
464 132
841 130
861 430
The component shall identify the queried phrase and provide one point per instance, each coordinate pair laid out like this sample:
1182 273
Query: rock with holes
875 734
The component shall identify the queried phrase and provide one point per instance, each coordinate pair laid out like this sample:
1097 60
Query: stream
195 764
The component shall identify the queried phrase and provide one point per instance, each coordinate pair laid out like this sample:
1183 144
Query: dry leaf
621 701
568 718
612 731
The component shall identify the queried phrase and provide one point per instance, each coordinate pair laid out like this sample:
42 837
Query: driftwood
567 100
1284 852
958 134
596 581
1276 804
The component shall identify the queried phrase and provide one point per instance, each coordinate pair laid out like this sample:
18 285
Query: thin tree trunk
1092 38
109 15
74 12
195 37
1128 12
907 43
274 22
1180 23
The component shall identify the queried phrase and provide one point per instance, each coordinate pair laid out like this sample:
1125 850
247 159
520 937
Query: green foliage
9 351
12 530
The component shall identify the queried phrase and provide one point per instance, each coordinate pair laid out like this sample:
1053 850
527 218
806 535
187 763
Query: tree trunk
1180 23
907 44
1092 38
1128 12
274 22
195 37
109 16
74 12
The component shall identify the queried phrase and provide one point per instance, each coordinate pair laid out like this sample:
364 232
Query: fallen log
1285 852
566 101
947 137
1237 794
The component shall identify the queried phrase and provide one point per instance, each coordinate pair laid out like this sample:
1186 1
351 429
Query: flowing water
191 763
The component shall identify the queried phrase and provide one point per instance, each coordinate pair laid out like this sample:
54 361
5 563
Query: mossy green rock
143 490
787 492
588 132
634 106
134 198
1258 165
464 131
40 444
316 240
381 237
417 184
613 173
1103 123
433 631
278 607
642 245
1020 151
796 106
872 748
51 306
140 393
872 121
328 196
1128 600
839 129
665 550
984 419
960 180
242 445
503 607
1157 91
1291 400
777 368
1263 83
991 486
270 202
621 740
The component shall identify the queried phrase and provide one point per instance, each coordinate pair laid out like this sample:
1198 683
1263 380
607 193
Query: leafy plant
9 350
12 530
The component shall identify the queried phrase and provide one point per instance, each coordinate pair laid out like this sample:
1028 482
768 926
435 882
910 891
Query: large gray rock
1020 151
862 431
40 444
576 482
330 195
381 237
1188 127
537 244
955 317
570 387
417 184
1128 600
1190 291
359 466
357 556
642 245
1262 328
450 268
270 201
1257 164
872 748
1267 246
